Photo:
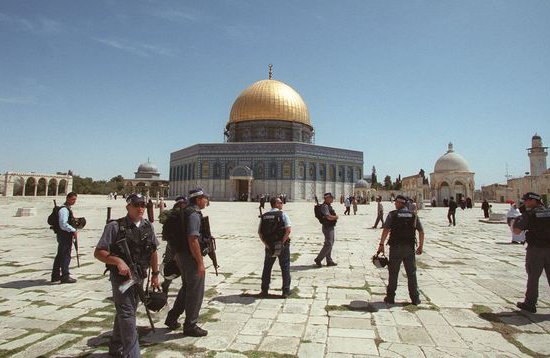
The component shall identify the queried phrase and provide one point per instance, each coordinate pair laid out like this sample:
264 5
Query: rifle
316 200
135 278
75 242
209 241
260 208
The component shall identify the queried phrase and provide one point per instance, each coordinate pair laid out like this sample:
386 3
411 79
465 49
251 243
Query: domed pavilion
269 149
147 181
451 177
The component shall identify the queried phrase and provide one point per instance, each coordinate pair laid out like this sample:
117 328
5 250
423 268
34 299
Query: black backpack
318 210
272 226
173 229
53 219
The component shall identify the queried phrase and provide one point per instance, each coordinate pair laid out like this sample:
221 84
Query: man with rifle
189 251
66 233
128 247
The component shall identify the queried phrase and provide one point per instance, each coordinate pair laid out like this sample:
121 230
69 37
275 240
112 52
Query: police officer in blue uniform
190 262
274 230
536 221
329 222
142 244
401 226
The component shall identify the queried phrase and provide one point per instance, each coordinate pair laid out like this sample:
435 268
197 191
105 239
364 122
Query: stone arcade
268 150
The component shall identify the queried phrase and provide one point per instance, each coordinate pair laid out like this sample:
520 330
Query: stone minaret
537 156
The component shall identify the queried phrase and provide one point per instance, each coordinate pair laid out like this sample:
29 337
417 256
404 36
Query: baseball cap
328 194
135 198
193 193
531 195
401 199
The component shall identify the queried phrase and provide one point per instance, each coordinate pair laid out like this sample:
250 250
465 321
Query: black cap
135 198
198 192
328 194
531 195
401 199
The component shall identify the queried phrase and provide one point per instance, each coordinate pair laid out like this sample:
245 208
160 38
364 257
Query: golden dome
269 100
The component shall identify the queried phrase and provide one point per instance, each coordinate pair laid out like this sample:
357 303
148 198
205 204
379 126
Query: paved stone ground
470 277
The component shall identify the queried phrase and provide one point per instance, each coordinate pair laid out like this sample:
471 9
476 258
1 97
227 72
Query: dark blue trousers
284 263
63 258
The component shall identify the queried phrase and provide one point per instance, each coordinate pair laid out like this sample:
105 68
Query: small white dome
147 168
451 162
362 184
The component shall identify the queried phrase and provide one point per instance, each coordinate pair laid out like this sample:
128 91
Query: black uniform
402 225
537 257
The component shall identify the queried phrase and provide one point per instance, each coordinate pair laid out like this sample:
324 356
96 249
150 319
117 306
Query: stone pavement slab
469 278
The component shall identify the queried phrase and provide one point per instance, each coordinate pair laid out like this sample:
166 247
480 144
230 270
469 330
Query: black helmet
170 270
380 261
155 299
79 223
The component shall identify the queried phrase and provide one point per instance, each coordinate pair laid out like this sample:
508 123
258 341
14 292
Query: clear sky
100 86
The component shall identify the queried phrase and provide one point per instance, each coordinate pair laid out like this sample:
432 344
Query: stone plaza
470 277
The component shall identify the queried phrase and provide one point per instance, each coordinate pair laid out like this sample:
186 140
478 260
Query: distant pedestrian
536 222
452 212
485 208
380 212
354 205
347 204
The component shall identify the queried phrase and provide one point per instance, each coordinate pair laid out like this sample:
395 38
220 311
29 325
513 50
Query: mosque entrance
242 175
242 190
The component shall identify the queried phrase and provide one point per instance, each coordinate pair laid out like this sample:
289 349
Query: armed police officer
536 220
401 225
135 236
329 221
274 231
188 254
65 231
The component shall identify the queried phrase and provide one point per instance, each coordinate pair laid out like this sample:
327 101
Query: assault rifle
209 242
136 279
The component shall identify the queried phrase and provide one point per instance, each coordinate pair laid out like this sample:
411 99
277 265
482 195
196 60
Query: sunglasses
138 205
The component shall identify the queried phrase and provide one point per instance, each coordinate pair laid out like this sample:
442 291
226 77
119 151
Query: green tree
387 183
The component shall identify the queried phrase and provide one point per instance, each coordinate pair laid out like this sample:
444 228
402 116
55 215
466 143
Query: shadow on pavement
515 318
304 267
26 283
245 299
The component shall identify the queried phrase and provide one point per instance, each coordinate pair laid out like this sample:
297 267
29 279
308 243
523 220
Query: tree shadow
26 283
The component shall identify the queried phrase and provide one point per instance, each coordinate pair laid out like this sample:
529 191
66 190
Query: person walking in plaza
190 262
452 212
536 222
380 212
347 204
65 232
485 208
354 205
135 234
329 221
401 226
274 231
511 216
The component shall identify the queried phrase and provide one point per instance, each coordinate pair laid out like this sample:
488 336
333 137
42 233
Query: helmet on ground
379 260
155 300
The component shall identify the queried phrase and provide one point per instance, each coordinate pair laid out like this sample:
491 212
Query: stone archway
18 186
62 188
459 190
444 191
30 187
243 176
41 188
52 187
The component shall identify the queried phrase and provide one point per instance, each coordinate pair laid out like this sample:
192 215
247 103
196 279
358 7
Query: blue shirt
63 216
